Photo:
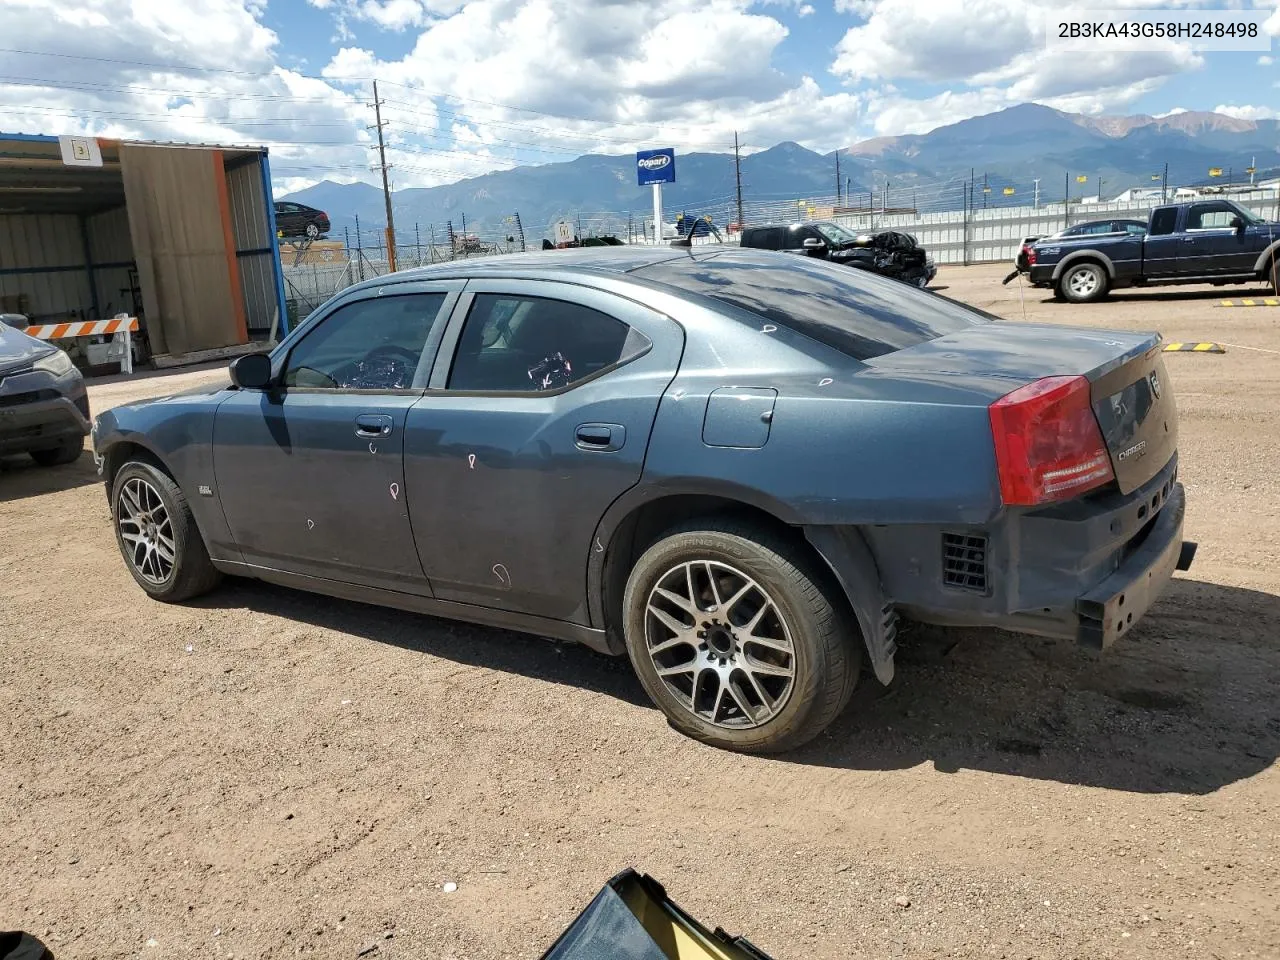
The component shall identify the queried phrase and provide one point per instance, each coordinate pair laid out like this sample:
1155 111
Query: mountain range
1011 147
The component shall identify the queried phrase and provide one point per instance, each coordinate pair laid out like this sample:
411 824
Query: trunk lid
1129 389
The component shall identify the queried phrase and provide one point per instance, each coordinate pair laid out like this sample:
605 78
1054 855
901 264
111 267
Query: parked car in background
736 467
1204 241
44 407
298 220
887 252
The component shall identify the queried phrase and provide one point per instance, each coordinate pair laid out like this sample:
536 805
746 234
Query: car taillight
1031 255
1048 444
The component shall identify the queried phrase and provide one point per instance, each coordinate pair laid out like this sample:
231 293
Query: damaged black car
887 252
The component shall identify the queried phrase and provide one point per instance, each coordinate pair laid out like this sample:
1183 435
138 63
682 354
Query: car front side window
374 344
523 344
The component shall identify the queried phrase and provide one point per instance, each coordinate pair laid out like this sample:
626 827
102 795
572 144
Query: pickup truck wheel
737 638
157 535
1083 283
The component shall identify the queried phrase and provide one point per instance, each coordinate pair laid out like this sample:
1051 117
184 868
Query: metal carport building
182 236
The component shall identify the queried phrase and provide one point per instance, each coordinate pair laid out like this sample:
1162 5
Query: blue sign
656 166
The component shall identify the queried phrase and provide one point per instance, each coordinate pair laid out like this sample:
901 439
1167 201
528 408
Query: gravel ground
268 773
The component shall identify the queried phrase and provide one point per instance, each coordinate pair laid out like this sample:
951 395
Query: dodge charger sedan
736 467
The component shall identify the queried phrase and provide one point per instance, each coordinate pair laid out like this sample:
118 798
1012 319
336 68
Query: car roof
585 261
584 264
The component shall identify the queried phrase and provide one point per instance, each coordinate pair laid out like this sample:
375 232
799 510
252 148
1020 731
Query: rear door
1213 245
538 418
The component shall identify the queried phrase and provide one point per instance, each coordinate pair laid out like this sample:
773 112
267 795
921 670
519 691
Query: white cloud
1265 61
1248 112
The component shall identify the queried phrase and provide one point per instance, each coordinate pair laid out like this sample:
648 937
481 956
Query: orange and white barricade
122 327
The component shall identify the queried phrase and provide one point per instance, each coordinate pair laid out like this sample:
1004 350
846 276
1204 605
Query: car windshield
834 232
853 311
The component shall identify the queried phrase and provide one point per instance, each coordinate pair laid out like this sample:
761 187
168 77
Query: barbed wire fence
961 220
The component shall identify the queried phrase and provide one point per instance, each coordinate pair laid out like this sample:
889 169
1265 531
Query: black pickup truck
1204 241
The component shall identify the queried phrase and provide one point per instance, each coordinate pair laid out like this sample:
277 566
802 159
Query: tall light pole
1035 202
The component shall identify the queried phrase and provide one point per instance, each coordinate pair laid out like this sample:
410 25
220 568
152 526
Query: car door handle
600 437
1190 239
373 425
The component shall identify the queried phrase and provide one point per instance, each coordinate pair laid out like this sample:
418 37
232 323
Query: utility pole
837 176
1035 203
1099 189
1164 184
520 231
1066 200
986 189
386 186
417 242
359 249
464 234
737 175
1253 166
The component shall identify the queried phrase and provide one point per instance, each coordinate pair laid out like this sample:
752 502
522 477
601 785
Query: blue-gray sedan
739 468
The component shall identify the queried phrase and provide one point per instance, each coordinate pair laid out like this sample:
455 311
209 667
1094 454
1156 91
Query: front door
538 424
311 474
1214 246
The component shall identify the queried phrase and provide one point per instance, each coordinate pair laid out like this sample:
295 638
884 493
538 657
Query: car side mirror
252 371
1237 223
812 243
16 320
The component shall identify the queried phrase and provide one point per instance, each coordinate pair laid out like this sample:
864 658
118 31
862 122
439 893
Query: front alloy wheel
157 534
147 531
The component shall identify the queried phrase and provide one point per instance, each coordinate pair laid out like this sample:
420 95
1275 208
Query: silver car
44 407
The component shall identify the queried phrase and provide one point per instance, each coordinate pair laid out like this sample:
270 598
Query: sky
470 87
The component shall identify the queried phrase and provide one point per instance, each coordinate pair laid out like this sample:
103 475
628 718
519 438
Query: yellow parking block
1251 302
1192 347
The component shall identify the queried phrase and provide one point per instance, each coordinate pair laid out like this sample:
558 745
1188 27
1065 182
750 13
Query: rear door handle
600 437
372 425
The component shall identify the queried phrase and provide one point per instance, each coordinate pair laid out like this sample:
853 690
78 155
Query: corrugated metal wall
42 263
254 244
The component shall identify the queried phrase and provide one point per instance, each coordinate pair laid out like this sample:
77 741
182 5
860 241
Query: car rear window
856 312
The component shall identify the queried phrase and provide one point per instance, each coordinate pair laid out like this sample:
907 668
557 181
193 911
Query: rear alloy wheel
313 231
1083 283
66 452
735 638
157 535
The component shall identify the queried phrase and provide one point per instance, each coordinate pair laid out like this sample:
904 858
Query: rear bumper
1112 607
1042 274
1061 577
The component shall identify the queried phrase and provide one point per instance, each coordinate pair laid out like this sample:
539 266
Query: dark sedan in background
298 220
739 468
44 407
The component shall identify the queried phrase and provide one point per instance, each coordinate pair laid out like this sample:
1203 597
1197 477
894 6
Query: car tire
313 231
157 535
66 452
1083 282
776 697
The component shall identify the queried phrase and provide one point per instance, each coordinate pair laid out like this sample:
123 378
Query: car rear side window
1163 221
518 344
855 312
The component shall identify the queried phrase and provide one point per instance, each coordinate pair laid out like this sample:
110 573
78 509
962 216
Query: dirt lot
268 773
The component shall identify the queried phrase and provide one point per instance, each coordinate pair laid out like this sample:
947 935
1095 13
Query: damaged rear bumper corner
1111 608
